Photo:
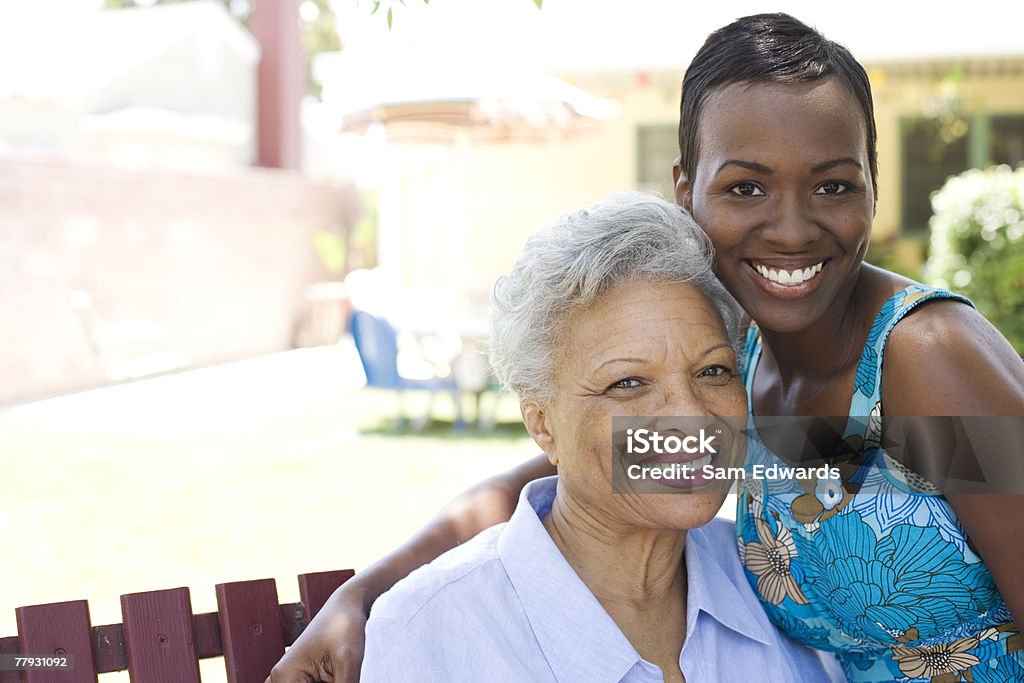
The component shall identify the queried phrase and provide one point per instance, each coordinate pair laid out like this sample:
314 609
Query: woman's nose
792 227
679 399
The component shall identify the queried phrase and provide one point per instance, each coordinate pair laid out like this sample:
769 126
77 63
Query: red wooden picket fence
162 641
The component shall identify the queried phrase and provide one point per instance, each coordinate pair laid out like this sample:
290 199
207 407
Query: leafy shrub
977 244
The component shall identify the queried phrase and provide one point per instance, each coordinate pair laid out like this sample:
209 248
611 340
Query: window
927 161
933 151
656 148
1007 140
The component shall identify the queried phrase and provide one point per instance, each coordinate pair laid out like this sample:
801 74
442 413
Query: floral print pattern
1003 670
881 588
936 660
824 498
873 566
769 560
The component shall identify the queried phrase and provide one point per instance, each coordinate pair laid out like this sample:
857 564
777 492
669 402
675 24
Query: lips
788 279
694 479
693 462
791 276
689 459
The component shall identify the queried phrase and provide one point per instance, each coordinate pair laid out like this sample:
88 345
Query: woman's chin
684 511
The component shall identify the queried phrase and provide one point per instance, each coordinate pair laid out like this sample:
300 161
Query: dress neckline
868 356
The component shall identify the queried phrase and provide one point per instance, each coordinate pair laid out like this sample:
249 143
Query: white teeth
699 463
786 277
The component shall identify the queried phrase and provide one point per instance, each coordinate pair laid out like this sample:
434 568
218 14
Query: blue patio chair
377 344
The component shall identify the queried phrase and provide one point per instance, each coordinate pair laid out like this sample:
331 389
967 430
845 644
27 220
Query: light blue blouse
506 606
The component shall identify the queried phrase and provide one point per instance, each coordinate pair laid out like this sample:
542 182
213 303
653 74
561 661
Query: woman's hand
330 649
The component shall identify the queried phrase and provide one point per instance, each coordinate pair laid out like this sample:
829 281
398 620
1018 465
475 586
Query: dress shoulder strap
867 385
748 362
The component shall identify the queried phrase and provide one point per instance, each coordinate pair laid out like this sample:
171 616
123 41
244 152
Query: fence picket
55 629
316 587
250 629
158 637
9 646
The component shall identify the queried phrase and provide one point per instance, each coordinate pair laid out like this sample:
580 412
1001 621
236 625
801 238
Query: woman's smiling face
642 349
783 189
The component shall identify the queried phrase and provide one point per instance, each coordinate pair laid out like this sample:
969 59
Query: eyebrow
723 345
764 170
703 354
749 165
832 163
620 360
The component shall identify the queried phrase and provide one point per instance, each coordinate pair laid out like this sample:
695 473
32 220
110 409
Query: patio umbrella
432 207
420 97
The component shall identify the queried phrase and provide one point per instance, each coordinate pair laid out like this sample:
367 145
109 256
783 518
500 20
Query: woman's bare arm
947 360
331 646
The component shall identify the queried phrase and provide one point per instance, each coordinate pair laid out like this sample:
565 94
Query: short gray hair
628 236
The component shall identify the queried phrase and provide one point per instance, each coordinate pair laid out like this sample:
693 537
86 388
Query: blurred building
136 235
170 86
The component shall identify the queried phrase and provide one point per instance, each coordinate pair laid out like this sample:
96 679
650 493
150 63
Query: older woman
613 311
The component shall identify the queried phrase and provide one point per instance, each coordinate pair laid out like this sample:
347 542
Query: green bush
977 244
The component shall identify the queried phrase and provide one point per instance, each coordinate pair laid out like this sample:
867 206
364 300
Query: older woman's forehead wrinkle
693 342
656 330
610 358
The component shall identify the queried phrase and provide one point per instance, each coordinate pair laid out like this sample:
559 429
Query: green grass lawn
197 482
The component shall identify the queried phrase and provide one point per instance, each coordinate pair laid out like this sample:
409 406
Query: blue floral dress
873 566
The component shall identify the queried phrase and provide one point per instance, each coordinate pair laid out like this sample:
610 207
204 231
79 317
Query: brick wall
217 261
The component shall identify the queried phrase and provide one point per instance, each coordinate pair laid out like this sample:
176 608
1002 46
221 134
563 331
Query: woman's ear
539 427
682 185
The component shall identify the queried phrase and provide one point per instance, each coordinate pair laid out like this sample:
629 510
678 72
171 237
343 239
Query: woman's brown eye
716 371
747 190
832 187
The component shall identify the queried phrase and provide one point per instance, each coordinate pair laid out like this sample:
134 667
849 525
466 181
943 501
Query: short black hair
768 48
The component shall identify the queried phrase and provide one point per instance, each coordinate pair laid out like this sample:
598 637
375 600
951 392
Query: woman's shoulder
944 358
886 296
467 567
